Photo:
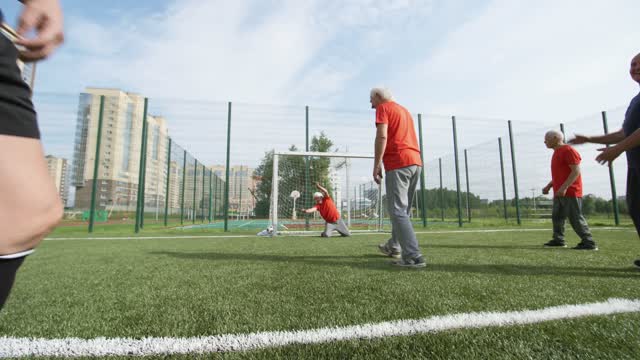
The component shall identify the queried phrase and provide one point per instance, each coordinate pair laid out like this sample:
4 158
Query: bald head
634 69
553 139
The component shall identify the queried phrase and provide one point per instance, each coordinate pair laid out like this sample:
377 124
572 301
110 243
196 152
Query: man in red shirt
396 146
329 212
567 190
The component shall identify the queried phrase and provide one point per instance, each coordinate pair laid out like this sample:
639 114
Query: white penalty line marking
74 347
478 231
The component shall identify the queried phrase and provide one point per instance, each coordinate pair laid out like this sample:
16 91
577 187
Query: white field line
476 231
74 347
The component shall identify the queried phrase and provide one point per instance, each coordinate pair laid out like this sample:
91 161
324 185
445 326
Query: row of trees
437 199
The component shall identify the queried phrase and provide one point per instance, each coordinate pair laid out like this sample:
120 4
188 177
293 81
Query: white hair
555 134
317 194
384 93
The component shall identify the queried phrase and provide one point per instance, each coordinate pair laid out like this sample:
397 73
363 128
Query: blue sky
493 58
536 62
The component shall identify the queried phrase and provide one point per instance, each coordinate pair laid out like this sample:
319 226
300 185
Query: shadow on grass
378 262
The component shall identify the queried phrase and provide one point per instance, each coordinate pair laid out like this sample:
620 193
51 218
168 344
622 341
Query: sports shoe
555 243
637 263
583 246
388 251
412 263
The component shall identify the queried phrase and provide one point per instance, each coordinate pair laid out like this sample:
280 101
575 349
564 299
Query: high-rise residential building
335 187
175 182
119 155
242 186
59 172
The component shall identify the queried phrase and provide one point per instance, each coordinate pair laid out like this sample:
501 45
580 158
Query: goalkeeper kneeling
329 212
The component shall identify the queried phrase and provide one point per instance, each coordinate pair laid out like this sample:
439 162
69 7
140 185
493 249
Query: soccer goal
347 177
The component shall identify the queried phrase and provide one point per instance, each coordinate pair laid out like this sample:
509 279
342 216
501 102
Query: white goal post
347 177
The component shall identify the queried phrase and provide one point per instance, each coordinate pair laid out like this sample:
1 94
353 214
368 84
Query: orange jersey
563 157
328 210
402 143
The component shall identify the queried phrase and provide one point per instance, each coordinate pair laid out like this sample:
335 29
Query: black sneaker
583 246
388 251
555 243
637 263
413 263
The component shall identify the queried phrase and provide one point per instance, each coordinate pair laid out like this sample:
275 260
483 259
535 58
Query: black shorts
17 115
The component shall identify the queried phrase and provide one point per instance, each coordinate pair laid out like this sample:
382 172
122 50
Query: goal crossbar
325 154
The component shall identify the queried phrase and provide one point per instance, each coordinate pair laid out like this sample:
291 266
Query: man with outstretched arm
327 209
626 140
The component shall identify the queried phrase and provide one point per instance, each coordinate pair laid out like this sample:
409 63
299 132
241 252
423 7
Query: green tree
291 171
589 204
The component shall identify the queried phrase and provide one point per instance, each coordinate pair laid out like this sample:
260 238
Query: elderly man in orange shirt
396 146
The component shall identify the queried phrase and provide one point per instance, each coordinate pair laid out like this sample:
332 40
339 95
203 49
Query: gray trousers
570 207
401 187
339 226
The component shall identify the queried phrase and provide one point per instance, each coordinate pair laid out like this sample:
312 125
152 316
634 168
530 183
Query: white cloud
519 60
240 50
546 61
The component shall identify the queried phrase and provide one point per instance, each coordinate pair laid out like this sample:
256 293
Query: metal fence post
515 173
441 189
455 153
612 178
96 167
194 210
184 181
228 168
423 191
166 197
143 149
210 193
504 187
466 171
307 165
204 175
145 133
216 189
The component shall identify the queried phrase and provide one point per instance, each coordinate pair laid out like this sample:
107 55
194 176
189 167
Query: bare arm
575 172
608 139
322 190
545 190
611 153
309 210
629 142
380 147
45 18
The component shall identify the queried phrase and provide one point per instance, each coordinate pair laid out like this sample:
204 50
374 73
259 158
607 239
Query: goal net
347 177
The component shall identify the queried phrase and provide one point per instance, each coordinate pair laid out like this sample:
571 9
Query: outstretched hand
607 155
579 139
45 18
